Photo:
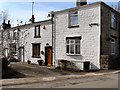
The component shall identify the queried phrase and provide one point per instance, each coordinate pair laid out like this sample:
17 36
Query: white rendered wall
90 42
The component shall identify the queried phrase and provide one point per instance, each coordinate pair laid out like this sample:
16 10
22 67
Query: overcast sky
22 11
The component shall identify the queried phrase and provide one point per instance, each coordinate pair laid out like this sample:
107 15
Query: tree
3 16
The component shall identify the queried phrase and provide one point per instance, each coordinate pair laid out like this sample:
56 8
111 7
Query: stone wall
109 62
107 32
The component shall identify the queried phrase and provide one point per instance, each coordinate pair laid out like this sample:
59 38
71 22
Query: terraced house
81 38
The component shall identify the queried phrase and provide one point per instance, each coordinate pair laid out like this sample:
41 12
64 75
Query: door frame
23 54
46 63
6 52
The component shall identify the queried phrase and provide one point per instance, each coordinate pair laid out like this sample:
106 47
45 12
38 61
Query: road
58 80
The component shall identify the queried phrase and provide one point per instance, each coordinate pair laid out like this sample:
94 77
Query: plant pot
40 62
29 62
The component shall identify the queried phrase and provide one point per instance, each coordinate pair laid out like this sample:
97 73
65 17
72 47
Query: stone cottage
28 42
85 37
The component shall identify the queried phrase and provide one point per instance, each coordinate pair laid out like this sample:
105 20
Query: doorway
21 54
6 52
48 55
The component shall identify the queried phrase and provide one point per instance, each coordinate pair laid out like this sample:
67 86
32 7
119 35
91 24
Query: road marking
49 79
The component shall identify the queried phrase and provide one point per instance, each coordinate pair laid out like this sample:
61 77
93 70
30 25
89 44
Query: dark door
86 65
119 38
48 56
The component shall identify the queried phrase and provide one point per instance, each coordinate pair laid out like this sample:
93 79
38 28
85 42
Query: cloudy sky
22 10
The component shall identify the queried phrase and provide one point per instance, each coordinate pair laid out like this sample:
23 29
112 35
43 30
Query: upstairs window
36 50
13 48
37 31
73 46
14 35
113 19
73 19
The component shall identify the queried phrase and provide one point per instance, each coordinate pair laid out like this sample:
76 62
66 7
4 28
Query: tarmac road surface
51 79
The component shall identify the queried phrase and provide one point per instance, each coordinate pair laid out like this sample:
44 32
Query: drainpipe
2 41
51 14
52 17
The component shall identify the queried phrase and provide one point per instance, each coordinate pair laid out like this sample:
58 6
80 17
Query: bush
40 62
13 60
5 63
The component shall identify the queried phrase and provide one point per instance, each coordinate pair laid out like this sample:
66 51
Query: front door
48 55
6 52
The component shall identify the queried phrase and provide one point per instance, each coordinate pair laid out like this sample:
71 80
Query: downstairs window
73 46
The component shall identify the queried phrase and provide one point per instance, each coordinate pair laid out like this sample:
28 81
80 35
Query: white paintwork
27 38
90 42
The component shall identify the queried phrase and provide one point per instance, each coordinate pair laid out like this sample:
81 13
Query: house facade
80 38
85 33
29 42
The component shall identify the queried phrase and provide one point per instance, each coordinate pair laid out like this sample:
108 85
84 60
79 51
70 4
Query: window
73 20
13 48
37 31
113 19
73 46
14 35
113 47
36 50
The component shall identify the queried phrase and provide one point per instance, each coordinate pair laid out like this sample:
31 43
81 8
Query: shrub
40 62
5 63
13 59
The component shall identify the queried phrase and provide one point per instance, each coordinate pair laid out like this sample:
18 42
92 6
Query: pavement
51 75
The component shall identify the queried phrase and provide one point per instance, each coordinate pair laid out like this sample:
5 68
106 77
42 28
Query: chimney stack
81 2
32 19
6 26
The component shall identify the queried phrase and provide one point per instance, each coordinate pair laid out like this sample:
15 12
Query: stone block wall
109 62
107 32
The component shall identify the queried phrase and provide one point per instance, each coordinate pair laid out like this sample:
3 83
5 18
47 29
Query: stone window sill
73 26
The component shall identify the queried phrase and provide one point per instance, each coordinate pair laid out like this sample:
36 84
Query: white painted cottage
76 41
28 42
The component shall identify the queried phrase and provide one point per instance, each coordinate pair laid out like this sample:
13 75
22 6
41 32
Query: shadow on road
11 73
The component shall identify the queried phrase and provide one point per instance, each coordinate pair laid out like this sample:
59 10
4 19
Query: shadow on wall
93 67
67 65
77 57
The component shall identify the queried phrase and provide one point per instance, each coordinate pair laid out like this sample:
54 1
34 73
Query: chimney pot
32 19
81 2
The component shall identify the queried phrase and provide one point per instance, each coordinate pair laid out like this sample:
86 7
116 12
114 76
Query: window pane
77 49
73 20
36 50
72 48
72 41
77 42
67 42
67 48
73 12
112 20
37 30
112 47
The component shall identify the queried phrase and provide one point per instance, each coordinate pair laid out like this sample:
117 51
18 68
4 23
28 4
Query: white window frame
113 20
72 15
74 43
112 52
